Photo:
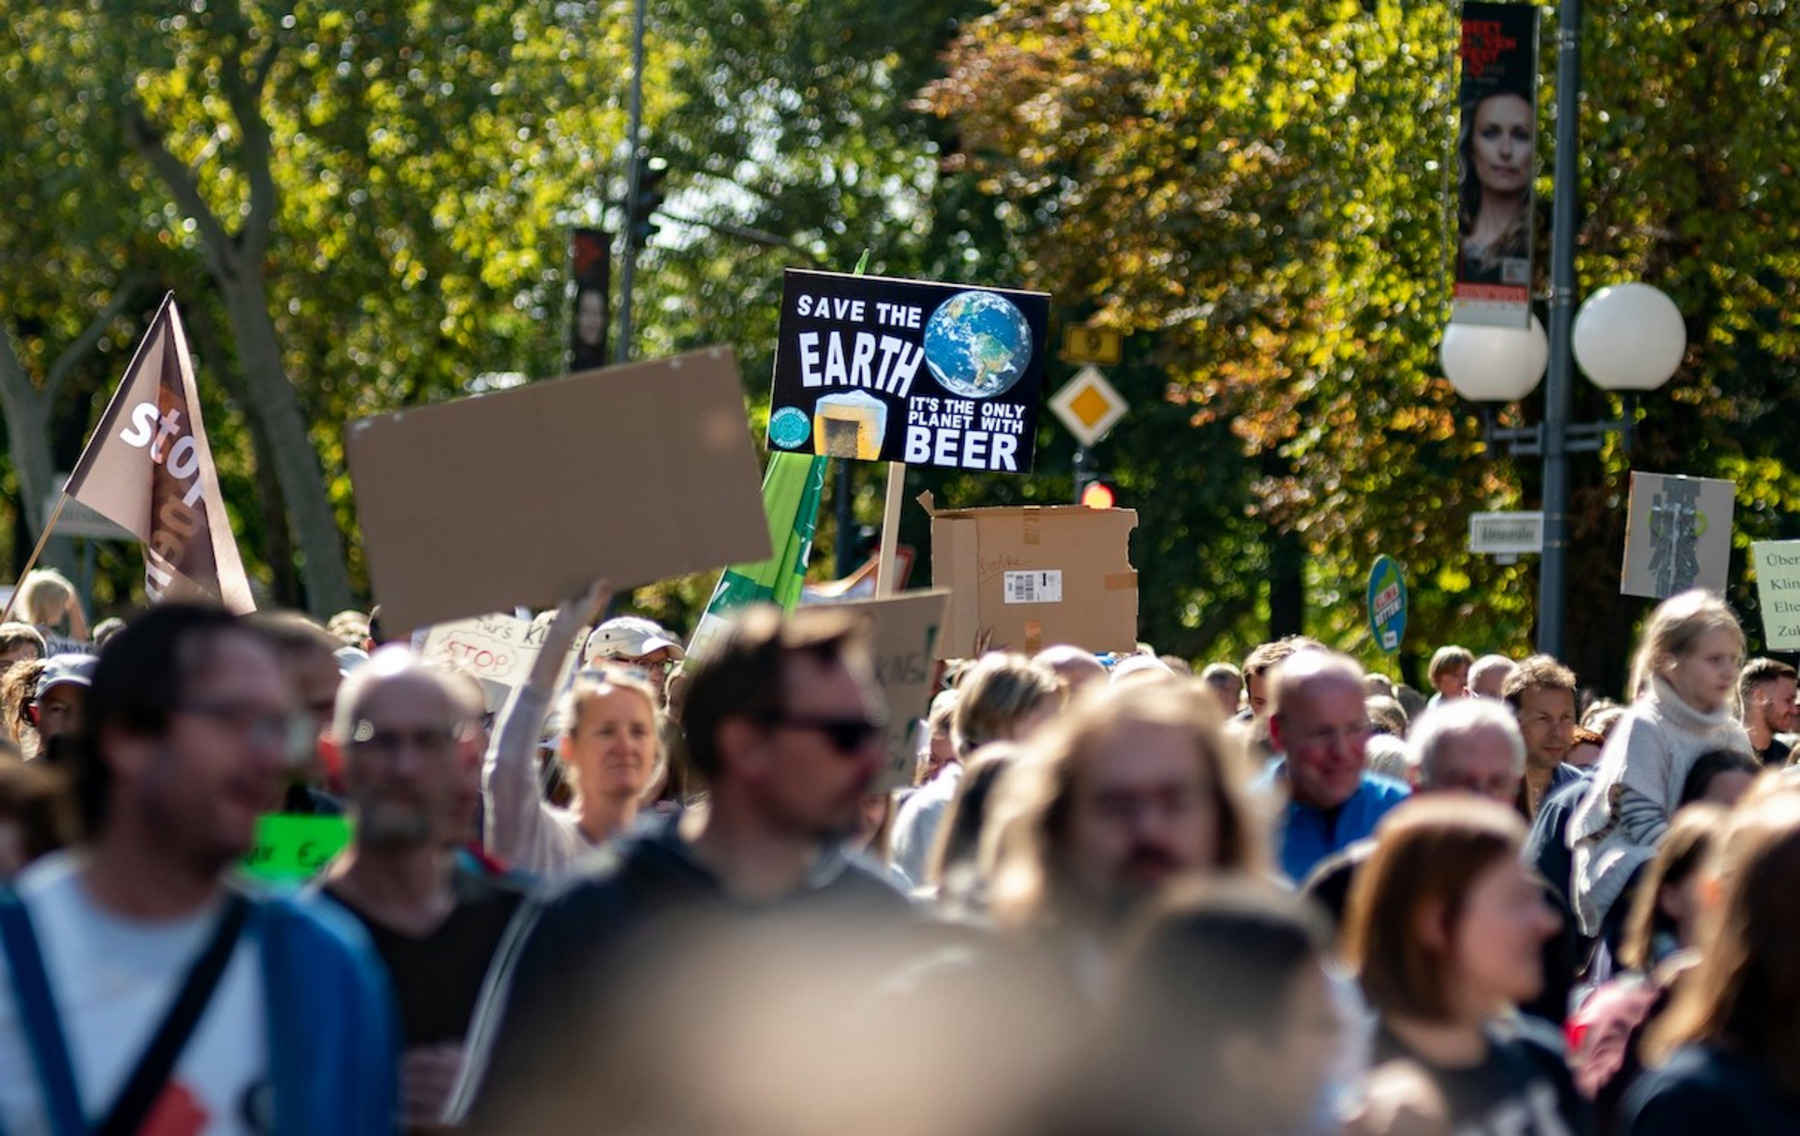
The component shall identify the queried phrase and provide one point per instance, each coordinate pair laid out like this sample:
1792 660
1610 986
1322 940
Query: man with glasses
401 729
784 721
139 989
1319 723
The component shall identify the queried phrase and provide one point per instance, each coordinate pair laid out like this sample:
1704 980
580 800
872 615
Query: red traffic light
1098 495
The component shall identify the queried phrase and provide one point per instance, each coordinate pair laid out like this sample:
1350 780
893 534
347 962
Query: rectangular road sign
1092 345
1506 534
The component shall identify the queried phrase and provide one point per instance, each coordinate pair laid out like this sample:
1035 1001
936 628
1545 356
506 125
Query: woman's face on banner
1503 143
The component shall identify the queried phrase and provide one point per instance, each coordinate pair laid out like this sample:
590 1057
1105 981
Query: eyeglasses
370 739
650 667
293 734
846 735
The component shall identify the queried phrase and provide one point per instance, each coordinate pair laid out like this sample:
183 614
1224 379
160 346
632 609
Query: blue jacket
334 1038
1305 836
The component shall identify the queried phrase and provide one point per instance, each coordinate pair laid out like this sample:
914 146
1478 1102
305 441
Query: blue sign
1387 604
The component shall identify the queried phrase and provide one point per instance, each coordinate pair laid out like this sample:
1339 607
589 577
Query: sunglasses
846 735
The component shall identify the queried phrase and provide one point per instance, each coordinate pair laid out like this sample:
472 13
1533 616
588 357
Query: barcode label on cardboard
1032 587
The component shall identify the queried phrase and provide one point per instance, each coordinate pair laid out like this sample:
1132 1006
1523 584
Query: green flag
792 487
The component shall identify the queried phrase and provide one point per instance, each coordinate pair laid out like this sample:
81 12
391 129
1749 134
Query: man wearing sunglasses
784 721
219 1011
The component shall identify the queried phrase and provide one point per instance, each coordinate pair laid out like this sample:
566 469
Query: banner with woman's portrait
1496 149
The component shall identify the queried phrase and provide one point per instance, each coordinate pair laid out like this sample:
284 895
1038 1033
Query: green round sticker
789 428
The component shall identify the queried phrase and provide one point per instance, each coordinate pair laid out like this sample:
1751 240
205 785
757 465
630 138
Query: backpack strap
43 1029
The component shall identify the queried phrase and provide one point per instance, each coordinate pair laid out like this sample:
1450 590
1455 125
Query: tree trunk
274 402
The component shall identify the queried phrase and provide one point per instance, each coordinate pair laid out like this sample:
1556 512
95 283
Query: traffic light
1091 487
651 173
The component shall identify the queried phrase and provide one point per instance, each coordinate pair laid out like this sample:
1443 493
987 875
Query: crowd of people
673 895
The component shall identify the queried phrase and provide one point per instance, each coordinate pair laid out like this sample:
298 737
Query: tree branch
147 140
124 293
244 91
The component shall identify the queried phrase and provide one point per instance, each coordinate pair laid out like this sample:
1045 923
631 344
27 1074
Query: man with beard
140 991
400 727
1766 689
783 719
1131 787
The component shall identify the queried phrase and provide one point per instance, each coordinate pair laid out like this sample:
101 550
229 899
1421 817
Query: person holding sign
609 744
436 926
219 1011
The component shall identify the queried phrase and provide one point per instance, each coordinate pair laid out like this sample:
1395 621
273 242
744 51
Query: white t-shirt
112 981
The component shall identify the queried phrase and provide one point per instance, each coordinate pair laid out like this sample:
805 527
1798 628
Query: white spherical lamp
1494 364
1629 337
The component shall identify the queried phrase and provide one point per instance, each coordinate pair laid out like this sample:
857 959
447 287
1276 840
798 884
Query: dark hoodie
632 899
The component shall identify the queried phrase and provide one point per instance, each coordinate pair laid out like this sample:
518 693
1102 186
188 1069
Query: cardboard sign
906 633
1387 604
526 496
291 848
1677 535
497 650
876 369
1778 592
1035 576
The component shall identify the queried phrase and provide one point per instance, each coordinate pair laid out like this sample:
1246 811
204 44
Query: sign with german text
876 369
1506 534
906 631
1387 604
1778 592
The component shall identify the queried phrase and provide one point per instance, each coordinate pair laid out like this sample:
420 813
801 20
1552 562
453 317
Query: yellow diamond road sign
1088 406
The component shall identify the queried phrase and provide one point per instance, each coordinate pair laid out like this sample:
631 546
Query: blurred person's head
1470 745
191 727
1260 665
400 727
1766 691
1665 908
631 641
940 744
18 642
1585 752
1487 675
1140 668
785 722
1227 685
1386 715
1602 715
37 813
106 629
1317 720
1128 789
1393 758
1693 642
1076 666
60 699
1720 777
1745 994
45 597
309 657
1223 1010
1541 692
1003 698
1449 670
956 862
1445 923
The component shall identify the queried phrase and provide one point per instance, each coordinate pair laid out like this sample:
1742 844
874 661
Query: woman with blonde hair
1730 1041
1683 686
608 744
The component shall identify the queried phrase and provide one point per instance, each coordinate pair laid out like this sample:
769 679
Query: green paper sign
291 848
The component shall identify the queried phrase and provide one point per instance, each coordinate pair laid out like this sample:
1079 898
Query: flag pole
49 527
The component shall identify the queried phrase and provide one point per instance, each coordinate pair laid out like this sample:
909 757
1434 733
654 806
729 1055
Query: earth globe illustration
977 344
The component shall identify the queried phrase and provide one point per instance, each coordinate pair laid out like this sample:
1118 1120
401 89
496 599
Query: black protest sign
876 369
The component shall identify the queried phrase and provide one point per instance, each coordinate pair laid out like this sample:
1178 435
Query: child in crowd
1449 672
1682 685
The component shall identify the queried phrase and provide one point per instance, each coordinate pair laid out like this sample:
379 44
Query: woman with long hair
1445 928
1497 144
1730 1042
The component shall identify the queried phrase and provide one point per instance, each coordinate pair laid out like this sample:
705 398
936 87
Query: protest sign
525 496
876 369
1387 604
1778 592
1035 576
1677 535
496 650
1496 164
291 848
906 633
